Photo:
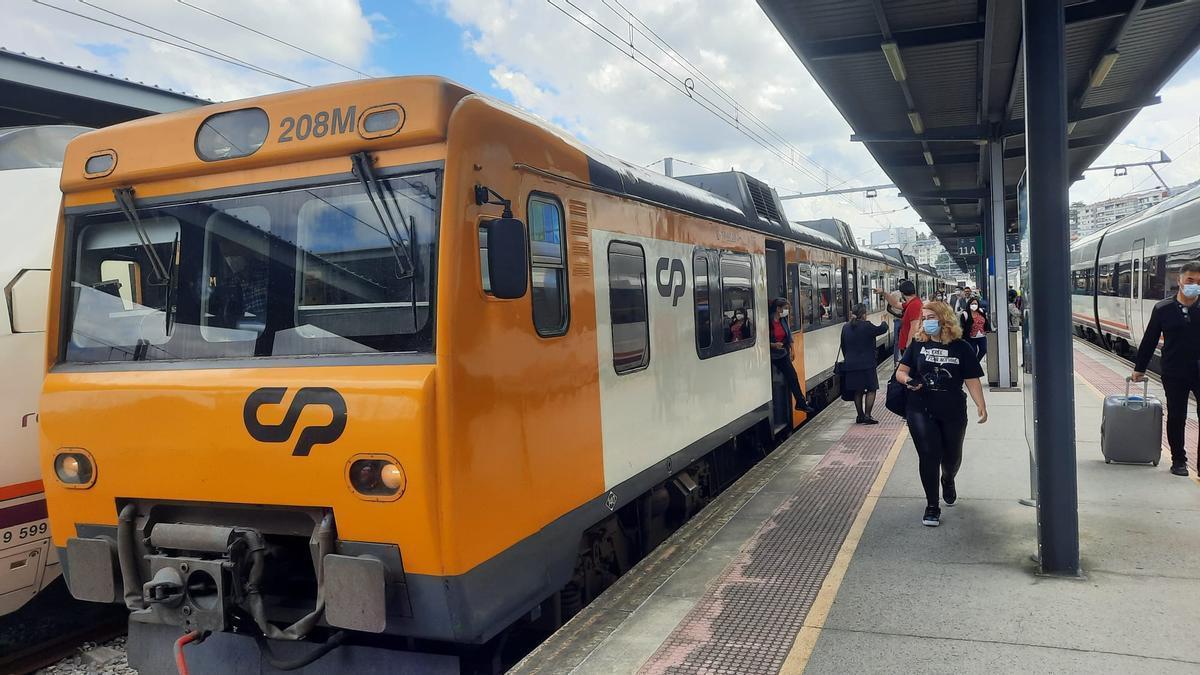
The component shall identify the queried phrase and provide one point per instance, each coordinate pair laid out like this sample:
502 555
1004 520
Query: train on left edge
382 372
30 164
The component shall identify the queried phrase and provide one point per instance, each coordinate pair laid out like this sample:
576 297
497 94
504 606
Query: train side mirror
507 257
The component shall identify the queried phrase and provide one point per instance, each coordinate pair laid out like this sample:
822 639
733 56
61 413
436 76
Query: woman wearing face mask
975 327
781 353
935 368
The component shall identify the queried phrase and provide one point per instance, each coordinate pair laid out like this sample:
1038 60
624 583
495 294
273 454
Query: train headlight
376 477
74 468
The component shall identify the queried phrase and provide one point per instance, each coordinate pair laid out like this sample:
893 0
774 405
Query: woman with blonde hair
935 367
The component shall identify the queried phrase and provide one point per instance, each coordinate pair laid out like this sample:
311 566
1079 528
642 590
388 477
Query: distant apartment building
1088 218
893 236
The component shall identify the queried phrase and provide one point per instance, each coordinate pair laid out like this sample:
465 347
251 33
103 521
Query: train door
1136 291
781 415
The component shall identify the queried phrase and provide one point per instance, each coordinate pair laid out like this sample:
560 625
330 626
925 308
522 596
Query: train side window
795 290
806 296
700 296
737 300
547 265
1123 278
627 307
825 293
1154 281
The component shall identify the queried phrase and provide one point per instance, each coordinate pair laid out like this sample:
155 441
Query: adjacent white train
30 164
1119 273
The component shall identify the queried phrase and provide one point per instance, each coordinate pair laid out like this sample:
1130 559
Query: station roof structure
35 91
927 84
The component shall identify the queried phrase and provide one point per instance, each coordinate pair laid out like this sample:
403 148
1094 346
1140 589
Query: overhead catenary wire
168 42
739 108
186 40
680 86
243 26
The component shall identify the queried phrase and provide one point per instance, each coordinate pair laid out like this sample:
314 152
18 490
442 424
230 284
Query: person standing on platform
858 362
1177 321
975 327
781 353
910 312
959 302
1014 309
935 368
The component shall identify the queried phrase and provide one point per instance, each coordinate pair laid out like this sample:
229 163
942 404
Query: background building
1089 218
893 236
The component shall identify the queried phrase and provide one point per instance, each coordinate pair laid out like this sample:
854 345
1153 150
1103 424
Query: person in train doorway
1177 321
858 362
781 353
909 306
935 368
975 326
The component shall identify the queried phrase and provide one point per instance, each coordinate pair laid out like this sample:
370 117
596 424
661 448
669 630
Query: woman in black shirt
934 368
859 361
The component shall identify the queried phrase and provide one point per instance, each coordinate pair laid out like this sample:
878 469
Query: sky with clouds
567 61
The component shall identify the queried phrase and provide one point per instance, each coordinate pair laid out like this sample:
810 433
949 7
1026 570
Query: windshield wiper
164 274
124 198
361 167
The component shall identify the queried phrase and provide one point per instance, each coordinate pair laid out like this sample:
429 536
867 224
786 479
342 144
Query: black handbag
896 398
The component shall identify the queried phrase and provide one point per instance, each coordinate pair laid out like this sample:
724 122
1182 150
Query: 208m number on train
317 125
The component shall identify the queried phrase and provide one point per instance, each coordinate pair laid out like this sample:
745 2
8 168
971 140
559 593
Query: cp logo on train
280 433
667 288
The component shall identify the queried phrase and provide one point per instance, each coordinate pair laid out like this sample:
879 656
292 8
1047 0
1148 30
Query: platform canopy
927 84
35 91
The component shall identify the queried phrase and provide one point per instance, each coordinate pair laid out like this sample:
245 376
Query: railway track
59 647
52 627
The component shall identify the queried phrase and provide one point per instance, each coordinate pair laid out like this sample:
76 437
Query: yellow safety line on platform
814 622
1164 454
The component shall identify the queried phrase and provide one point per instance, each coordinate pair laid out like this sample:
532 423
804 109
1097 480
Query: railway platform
816 561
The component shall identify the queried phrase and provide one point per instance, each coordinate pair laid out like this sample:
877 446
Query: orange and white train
392 369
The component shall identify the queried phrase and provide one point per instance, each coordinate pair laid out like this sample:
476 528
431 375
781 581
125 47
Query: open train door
781 410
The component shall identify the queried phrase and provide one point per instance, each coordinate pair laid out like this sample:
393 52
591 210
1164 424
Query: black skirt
860 380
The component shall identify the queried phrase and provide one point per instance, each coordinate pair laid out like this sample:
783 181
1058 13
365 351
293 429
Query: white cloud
1171 126
344 35
559 70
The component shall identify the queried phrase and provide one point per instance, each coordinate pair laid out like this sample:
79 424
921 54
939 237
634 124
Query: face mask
974 307
1191 290
932 326
783 313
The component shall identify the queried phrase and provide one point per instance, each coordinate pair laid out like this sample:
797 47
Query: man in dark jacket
1177 321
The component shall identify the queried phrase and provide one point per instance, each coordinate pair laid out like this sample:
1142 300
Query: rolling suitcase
1131 427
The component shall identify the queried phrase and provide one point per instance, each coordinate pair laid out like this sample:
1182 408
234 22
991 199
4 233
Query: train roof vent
757 200
835 228
765 201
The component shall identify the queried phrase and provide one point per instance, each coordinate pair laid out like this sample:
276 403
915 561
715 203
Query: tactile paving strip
1101 375
748 619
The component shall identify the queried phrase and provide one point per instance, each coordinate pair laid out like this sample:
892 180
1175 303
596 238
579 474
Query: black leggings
793 381
1178 391
939 442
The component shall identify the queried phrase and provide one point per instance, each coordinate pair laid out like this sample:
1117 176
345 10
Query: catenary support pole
1050 297
999 250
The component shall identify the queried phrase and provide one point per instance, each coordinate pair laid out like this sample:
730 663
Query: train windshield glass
295 273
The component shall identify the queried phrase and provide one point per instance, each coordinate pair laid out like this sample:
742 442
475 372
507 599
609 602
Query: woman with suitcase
935 368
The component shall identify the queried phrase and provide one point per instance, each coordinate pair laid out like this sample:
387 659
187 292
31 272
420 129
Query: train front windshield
343 269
